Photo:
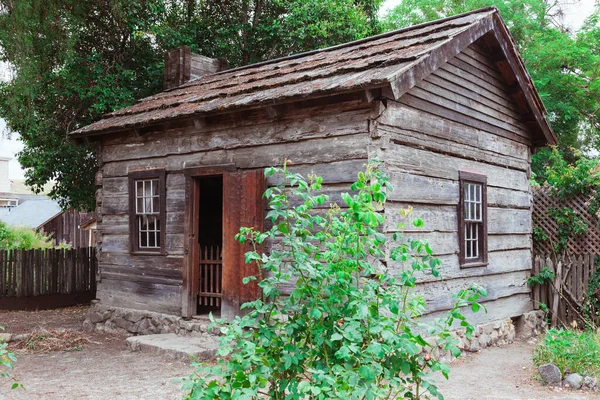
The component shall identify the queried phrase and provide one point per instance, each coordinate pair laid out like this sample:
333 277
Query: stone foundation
102 318
496 333
115 319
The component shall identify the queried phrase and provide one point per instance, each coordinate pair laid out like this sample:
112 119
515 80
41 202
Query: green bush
575 352
349 329
20 237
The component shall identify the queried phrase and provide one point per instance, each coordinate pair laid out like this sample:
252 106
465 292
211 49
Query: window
147 211
472 219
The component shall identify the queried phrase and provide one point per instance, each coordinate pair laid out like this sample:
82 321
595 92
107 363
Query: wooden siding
331 141
64 228
462 117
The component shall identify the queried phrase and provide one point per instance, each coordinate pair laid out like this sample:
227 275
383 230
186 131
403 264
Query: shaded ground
501 373
104 369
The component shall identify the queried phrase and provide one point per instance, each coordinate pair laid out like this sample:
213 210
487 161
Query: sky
575 14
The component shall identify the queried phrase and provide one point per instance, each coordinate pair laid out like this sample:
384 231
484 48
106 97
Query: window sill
474 265
147 253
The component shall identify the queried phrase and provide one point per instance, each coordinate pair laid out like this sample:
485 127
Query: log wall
331 141
462 117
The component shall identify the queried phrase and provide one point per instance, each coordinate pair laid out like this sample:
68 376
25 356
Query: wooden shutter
243 205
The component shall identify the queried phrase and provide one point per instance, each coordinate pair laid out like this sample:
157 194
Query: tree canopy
564 65
74 61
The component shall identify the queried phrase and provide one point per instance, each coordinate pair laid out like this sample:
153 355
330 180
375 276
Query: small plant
7 358
349 329
571 351
545 276
591 298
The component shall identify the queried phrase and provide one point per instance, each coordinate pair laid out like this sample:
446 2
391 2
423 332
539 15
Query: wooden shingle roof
395 60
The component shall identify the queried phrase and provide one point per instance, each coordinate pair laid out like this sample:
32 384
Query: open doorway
210 244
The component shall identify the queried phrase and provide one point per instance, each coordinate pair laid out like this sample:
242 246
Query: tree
74 61
563 65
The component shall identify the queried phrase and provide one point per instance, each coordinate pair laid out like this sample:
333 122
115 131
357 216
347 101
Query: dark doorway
210 243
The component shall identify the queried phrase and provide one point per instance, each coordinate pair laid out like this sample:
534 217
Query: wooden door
242 206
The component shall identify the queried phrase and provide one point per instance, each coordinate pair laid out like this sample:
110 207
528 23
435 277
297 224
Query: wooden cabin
447 105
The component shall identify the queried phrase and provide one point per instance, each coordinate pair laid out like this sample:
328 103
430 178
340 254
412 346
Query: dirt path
103 370
106 370
500 373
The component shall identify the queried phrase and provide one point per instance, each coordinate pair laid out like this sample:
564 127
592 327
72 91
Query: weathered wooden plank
457 103
465 103
497 82
397 136
412 188
448 113
467 83
499 262
140 295
507 307
505 107
316 151
414 119
481 62
438 294
444 219
467 74
431 164
188 141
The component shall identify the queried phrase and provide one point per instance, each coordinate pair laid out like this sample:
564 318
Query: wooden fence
563 296
44 279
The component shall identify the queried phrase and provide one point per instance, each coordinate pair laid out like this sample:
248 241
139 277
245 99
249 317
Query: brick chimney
181 66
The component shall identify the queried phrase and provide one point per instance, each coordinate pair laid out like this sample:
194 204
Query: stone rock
511 336
95 317
590 383
122 323
488 329
474 347
494 336
573 381
5 337
485 340
551 375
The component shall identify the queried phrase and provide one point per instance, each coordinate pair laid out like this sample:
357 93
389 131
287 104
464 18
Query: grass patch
44 341
570 351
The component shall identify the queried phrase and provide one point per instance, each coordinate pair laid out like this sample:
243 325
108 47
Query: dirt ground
106 370
501 373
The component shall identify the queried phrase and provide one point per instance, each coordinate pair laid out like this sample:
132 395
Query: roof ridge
354 42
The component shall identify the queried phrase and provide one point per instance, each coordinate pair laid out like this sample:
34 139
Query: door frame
191 259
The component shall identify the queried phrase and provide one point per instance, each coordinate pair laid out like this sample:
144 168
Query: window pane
150 224
151 239
147 205
143 239
139 207
147 188
158 224
139 188
143 223
155 205
155 187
